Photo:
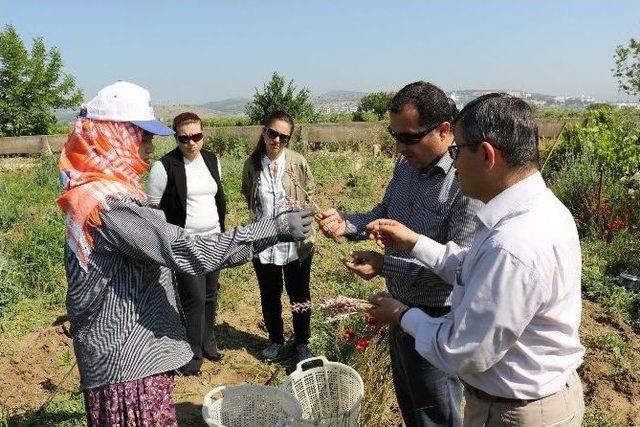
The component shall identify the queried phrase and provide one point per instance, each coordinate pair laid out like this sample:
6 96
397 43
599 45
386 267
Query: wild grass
33 284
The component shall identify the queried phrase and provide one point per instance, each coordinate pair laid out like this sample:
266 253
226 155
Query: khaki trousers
564 408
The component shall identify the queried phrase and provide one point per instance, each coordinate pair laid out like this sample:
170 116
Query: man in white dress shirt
512 334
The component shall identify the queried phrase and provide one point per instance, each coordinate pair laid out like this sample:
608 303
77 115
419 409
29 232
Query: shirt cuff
350 228
391 266
415 319
412 319
428 251
151 200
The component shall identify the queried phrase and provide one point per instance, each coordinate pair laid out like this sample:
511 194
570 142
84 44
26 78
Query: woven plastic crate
330 392
249 406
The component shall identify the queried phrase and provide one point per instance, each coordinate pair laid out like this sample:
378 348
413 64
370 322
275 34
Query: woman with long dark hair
274 179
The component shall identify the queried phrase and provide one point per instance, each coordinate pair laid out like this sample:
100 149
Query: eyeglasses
184 139
454 149
411 138
273 134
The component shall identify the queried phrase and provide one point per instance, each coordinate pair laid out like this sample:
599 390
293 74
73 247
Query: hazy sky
197 51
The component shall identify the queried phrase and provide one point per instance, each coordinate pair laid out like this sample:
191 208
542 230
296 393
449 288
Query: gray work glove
295 225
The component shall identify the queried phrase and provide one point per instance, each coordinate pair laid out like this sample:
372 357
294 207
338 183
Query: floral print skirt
144 402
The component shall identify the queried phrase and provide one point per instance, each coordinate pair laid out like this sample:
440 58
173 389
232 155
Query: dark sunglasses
184 139
411 138
273 134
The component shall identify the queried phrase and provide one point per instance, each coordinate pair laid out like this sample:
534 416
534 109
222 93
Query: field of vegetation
594 169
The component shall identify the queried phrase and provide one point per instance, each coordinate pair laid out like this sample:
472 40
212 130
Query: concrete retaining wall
312 134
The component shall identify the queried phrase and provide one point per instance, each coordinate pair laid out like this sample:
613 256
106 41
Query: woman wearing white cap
127 330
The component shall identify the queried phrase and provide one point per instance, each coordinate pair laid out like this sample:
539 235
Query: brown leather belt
491 398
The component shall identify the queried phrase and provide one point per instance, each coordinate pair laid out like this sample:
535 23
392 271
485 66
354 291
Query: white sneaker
272 350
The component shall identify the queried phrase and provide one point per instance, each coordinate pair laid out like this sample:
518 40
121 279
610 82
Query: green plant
363 116
627 68
619 349
377 102
599 202
62 411
334 118
33 83
33 236
277 95
224 143
611 140
602 263
226 121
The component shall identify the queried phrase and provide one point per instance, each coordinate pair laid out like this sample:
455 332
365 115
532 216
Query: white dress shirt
516 303
272 194
202 214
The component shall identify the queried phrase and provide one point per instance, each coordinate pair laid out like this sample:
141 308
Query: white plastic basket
249 406
330 392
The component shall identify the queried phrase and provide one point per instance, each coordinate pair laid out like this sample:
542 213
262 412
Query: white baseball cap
126 102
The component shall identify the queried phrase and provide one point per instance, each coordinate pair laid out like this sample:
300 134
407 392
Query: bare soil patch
32 365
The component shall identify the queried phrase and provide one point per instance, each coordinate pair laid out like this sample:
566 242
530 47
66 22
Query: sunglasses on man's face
409 138
273 134
185 139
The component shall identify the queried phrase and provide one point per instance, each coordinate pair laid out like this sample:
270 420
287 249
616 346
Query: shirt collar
445 164
266 161
505 202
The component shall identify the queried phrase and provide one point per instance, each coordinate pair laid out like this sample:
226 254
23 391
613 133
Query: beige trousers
564 408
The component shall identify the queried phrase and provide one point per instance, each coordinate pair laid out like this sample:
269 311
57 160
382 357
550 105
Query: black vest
174 198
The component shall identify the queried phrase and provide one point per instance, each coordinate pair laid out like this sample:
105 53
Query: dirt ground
32 366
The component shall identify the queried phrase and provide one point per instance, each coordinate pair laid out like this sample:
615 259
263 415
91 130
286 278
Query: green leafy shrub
226 121
224 143
611 139
335 118
600 202
363 116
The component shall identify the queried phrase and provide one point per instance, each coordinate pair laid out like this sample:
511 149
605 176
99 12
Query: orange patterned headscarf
99 160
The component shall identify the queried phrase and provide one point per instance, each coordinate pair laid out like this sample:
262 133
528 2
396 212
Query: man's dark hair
506 122
433 105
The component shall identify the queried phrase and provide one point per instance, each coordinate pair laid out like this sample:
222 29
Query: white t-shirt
202 214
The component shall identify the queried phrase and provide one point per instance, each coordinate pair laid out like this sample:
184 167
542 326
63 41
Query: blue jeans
426 395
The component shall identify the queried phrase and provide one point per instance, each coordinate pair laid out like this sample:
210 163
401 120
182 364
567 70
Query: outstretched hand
331 223
386 309
393 234
366 264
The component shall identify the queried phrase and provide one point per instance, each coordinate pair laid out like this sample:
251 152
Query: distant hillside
230 106
342 101
168 112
